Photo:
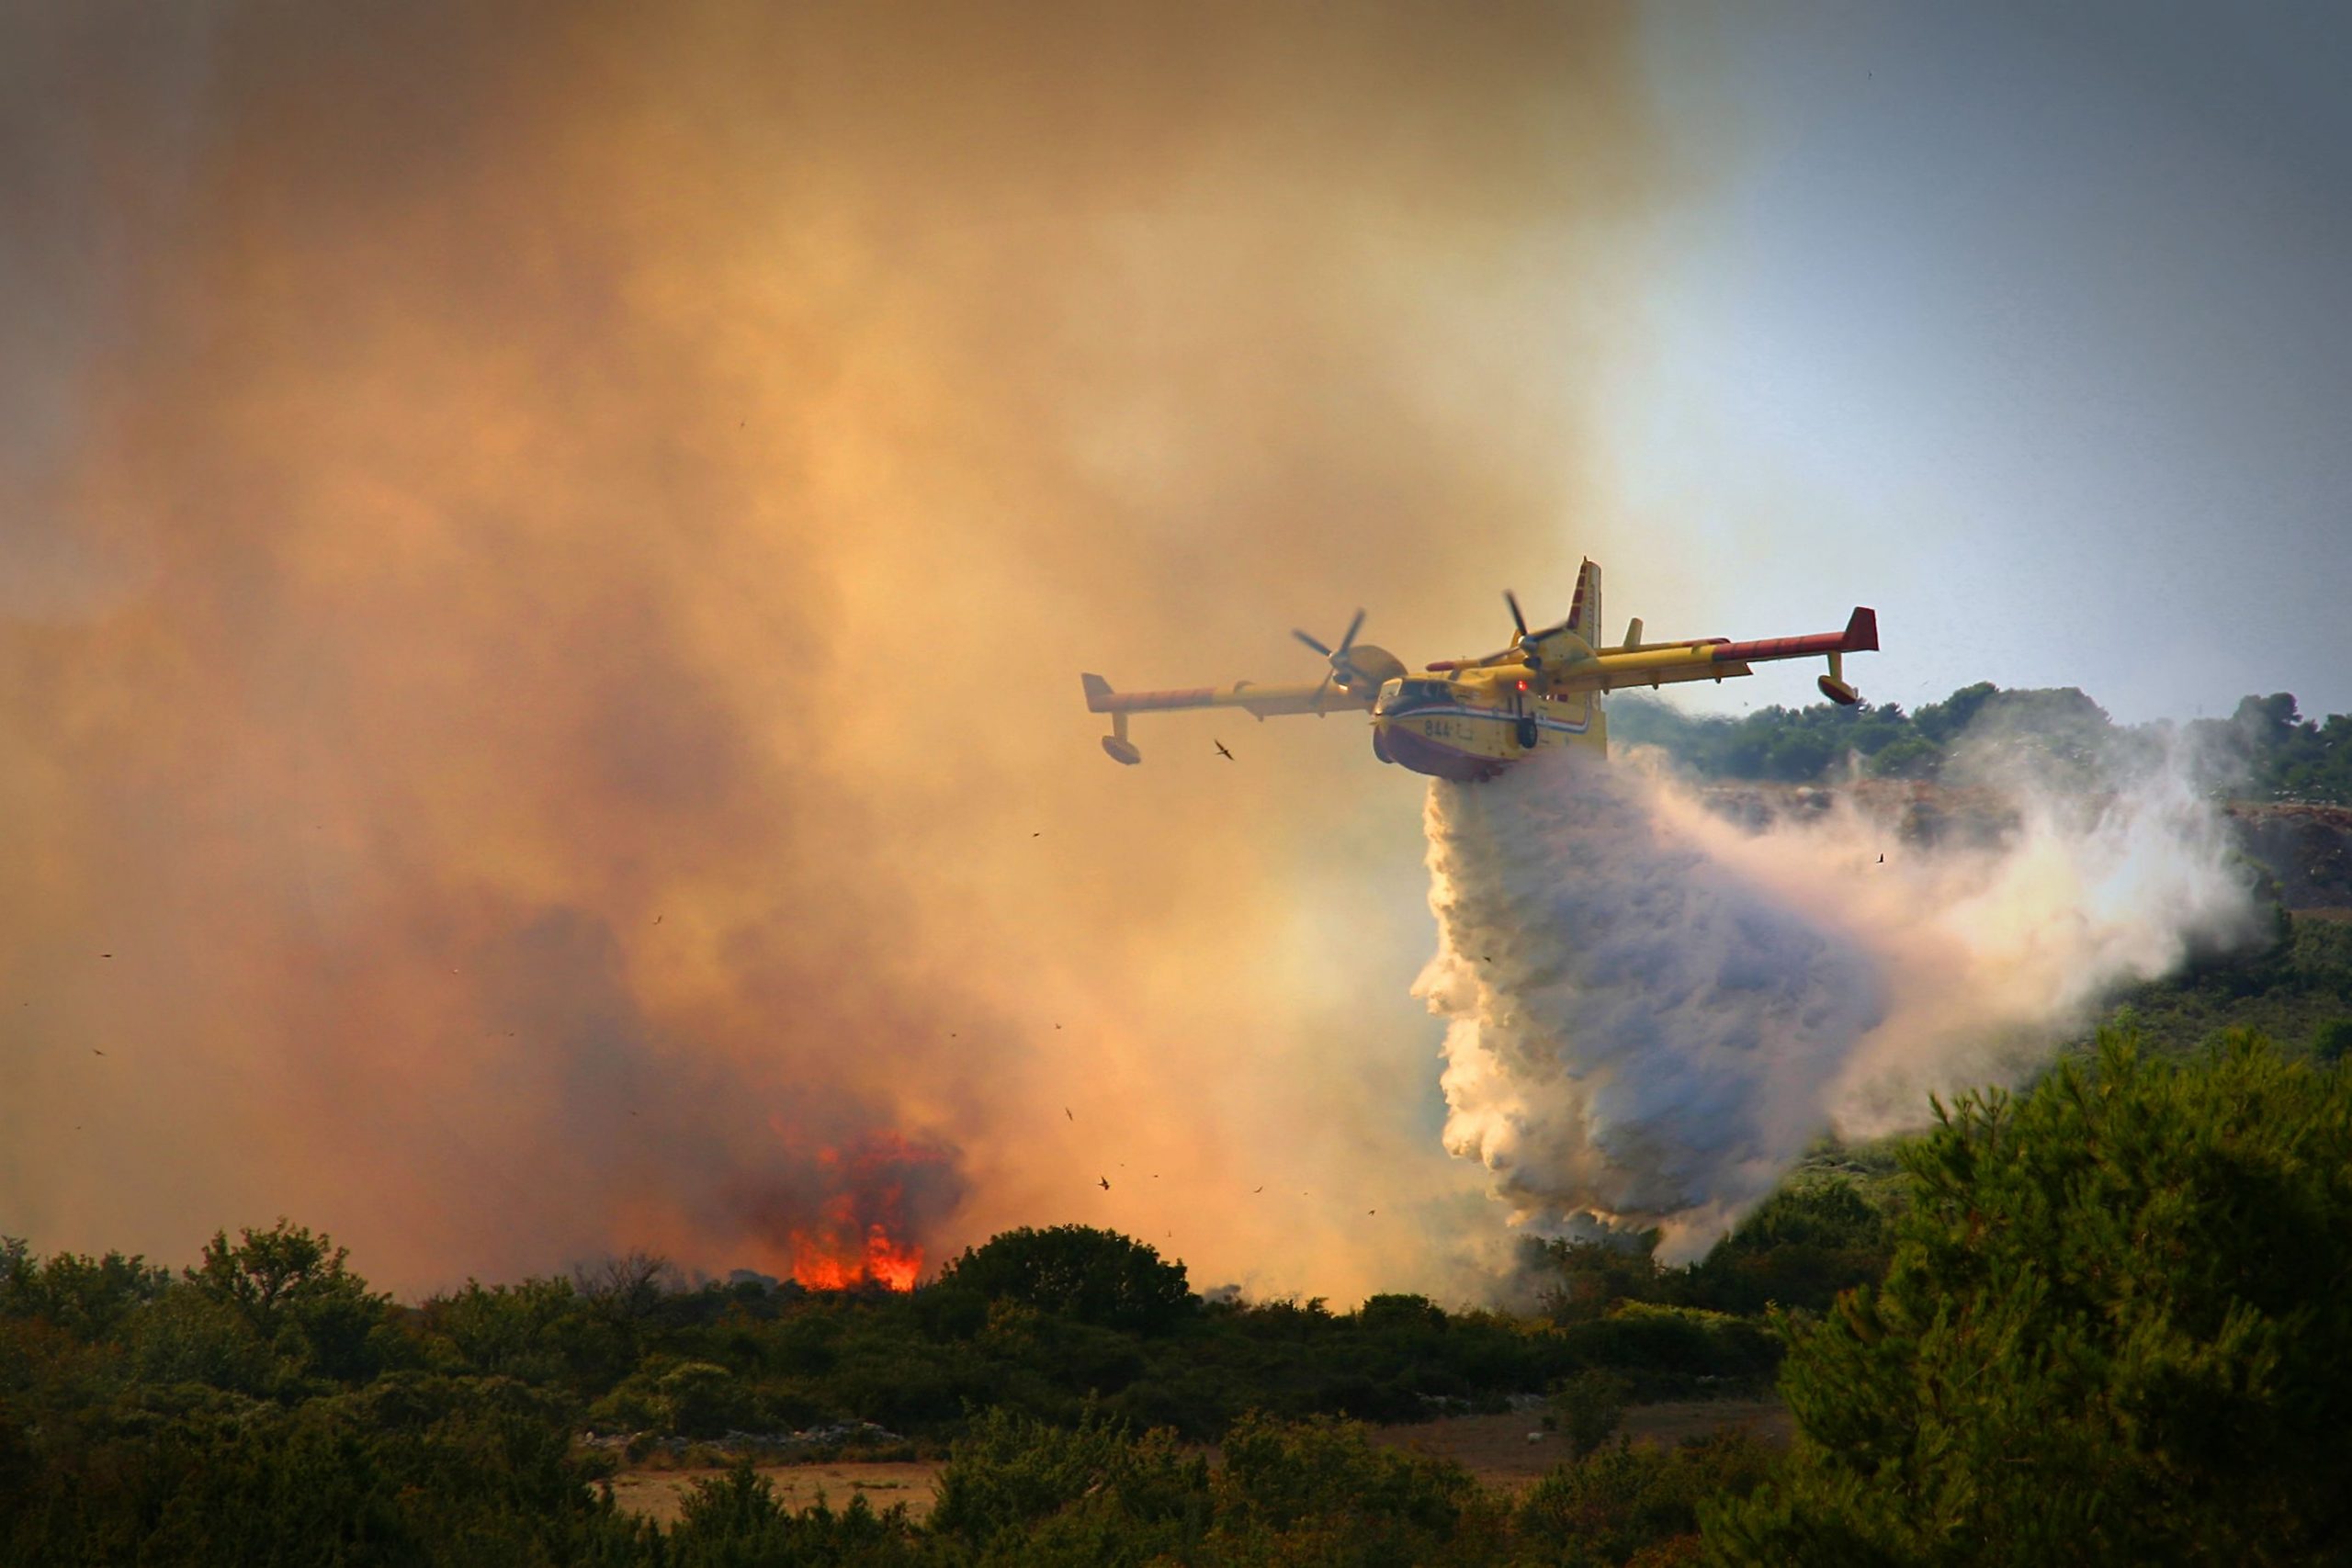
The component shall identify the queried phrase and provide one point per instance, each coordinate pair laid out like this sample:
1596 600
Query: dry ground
659 1493
1495 1448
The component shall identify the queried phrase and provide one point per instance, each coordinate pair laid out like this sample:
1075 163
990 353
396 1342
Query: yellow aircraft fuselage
1470 723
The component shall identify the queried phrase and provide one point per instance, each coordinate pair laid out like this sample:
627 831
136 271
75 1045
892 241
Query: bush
1589 1407
1320 1491
1012 1472
1095 1276
736 1521
2115 1330
1666 1350
1628 1500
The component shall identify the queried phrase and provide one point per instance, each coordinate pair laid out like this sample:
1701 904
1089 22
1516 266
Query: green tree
2117 1329
294 1291
85 1296
1095 1276
1806 1243
1590 1406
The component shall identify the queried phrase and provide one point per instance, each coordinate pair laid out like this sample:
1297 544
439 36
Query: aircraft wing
1715 659
1266 702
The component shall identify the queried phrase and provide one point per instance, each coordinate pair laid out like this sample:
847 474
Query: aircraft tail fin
1583 609
1097 692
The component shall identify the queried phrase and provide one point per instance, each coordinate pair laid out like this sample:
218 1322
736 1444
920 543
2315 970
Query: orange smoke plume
546 552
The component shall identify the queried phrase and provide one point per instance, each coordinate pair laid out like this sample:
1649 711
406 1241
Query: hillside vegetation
2265 750
2101 1321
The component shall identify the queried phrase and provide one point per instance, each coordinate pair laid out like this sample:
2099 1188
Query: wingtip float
1470 718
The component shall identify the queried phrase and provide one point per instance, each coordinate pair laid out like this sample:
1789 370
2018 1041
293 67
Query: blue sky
2030 326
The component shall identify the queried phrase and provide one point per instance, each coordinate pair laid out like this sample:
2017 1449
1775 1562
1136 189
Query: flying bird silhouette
1106 1183
1221 751
1065 1112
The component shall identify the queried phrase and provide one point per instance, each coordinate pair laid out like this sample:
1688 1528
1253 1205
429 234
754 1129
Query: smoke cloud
545 552
1652 1007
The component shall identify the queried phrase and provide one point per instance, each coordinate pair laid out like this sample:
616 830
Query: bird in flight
1257 1190
1882 859
1105 1181
1221 751
1065 1112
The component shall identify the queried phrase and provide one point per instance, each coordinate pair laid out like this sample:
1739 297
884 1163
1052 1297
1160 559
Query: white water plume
1652 1009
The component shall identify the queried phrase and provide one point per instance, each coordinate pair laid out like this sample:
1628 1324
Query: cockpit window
1417 693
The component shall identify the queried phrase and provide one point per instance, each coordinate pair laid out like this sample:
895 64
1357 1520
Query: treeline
2264 751
267 1397
2104 1321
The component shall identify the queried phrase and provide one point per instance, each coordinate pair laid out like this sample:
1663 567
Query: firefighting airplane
1469 718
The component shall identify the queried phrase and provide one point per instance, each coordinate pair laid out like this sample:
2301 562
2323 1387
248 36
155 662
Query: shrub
1095 1276
1631 1499
1589 1407
2115 1330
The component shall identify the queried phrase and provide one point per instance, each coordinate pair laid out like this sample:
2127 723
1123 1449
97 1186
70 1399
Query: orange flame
856 1240
884 1262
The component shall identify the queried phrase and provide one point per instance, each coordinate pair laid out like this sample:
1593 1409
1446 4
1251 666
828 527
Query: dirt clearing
1493 1448
1496 1448
661 1494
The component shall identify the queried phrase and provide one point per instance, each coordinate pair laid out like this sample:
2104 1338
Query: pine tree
2117 1328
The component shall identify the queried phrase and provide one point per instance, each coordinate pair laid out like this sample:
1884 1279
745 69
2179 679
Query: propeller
1347 672
1524 642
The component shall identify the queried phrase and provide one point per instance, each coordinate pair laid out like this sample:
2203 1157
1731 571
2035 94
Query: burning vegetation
875 1198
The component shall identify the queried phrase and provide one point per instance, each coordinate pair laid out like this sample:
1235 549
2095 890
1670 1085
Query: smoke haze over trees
2265 750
